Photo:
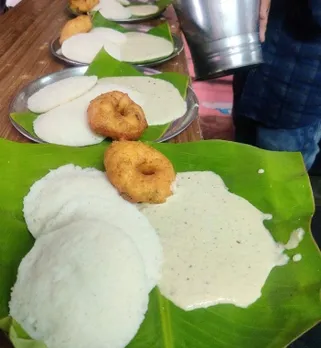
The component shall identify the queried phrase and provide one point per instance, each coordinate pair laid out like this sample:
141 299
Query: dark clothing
3 7
285 91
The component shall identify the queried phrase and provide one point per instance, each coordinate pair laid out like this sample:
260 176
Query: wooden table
25 35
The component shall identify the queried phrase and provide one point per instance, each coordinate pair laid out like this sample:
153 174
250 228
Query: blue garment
285 91
303 139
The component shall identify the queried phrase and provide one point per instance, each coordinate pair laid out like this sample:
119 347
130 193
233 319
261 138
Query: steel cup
222 35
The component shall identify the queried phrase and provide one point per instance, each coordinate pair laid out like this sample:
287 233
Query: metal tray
19 103
128 20
55 49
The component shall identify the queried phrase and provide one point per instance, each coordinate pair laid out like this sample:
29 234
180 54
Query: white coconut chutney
216 248
140 47
297 257
81 286
143 10
70 193
60 92
295 239
162 101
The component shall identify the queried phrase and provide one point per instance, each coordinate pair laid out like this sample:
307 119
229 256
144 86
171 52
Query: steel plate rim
80 70
178 48
194 111
128 20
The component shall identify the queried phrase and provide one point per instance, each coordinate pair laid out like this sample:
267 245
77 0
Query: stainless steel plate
133 19
55 49
19 103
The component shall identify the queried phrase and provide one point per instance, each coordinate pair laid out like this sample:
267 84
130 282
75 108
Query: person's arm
264 14
315 7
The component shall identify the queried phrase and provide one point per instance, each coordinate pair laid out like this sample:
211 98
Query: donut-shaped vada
114 115
83 5
80 24
140 173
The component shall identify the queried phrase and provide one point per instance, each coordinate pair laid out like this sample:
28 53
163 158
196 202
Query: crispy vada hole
146 169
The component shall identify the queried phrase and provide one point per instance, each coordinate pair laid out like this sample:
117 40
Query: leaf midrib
166 321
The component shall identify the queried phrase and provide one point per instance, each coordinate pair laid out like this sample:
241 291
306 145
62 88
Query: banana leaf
105 66
163 30
290 302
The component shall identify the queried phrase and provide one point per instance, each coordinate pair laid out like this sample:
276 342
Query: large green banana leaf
105 66
290 303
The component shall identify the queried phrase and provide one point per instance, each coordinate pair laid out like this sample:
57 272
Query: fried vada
116 116
83 5
80 24
140 173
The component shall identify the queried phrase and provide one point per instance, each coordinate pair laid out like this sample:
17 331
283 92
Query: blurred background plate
55 49
133 19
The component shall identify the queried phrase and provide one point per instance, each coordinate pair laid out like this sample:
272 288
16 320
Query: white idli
112 9
124 2
60 92
143 10
66 125
85 46
162 102
110 35
141 47
105 87
76 194
122 214
49 194
82 286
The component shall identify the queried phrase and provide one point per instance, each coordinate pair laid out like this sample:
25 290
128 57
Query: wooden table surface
25 35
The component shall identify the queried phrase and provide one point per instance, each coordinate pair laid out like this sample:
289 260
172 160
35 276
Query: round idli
112 9
85 46
110 35
162 101
60 92
124 2
67 125
143 10
74 194
82 286
49 194
142 47
122 214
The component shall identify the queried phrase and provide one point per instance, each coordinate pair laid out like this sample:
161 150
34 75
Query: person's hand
264 14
